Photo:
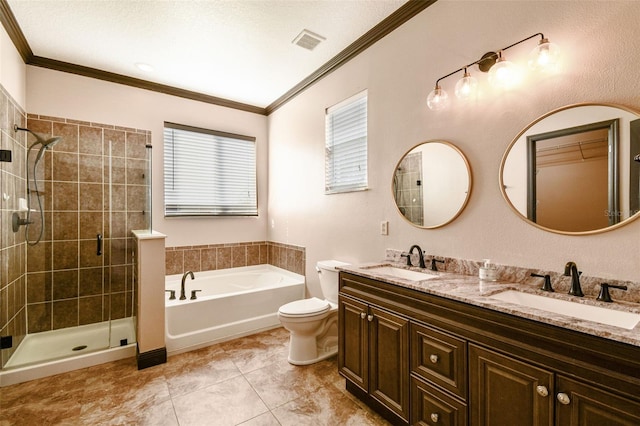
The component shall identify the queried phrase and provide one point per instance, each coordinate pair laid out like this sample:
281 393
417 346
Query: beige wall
12 69
399 72
59 94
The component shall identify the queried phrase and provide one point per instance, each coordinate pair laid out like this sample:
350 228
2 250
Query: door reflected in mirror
572 171
431 184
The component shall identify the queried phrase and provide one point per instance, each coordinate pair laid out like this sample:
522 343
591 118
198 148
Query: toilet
313 323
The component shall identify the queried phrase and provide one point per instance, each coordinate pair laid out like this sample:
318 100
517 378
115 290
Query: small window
346 145
208 173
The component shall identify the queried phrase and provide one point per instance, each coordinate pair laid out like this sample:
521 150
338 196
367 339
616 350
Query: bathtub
233 302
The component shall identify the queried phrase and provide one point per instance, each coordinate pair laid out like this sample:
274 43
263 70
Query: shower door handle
99 245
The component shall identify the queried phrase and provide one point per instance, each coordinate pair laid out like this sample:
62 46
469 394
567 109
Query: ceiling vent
308 39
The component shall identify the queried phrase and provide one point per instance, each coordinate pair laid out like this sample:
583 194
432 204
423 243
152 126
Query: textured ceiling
239 50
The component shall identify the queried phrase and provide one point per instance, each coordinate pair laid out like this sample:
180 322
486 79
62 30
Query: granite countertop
471 290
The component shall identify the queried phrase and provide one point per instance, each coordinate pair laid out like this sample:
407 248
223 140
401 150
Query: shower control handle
99 245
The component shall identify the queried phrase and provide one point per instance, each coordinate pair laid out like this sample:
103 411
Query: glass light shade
466 87
438 99
545 57
504 74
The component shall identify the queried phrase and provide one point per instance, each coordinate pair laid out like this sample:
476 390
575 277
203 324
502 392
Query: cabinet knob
370 318
434 417
363 315
434 358
564 398
542 391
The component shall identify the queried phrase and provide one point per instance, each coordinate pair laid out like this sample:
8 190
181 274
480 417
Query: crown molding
81 70
386 26
393 21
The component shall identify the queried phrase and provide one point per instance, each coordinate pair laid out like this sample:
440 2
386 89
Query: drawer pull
564 398
434 358
363 315
542 391
370 318
434 417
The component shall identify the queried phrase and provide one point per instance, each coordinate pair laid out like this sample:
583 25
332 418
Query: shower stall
79 192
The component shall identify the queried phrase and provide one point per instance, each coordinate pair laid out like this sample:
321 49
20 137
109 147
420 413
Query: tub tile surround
460 282
246 381
13 295
223 256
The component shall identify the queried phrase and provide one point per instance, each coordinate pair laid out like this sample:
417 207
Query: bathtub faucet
184 277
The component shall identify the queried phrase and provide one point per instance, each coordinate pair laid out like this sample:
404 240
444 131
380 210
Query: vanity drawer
431 406
439 358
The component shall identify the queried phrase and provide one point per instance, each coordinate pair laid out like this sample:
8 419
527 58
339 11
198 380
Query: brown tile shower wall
94 183
222 256
13 313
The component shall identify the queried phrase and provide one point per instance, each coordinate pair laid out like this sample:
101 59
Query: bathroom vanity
443 352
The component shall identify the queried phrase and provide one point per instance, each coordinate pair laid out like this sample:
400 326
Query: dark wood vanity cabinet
425 360
505 391
375 356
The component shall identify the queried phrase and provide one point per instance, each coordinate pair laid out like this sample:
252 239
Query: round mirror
572 171
431 184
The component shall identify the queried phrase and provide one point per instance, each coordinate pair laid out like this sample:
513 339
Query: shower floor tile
246 381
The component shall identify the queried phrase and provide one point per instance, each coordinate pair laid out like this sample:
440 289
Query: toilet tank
329 278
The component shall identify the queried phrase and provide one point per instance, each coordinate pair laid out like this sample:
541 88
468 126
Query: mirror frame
469 188
522 132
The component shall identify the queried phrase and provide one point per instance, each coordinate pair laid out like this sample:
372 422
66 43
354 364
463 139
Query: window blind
346 145
208 173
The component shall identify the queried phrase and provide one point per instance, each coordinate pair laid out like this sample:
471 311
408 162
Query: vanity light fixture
502 73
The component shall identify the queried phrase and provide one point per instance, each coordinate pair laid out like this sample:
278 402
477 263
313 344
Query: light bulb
438 99
504 74
545 57
466 86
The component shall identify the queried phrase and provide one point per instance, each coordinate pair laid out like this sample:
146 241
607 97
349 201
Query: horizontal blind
346 146
208 173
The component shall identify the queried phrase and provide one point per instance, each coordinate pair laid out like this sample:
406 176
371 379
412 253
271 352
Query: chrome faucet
420 256
184 277
570 269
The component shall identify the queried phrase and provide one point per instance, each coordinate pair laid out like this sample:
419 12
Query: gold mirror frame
503 188
467 192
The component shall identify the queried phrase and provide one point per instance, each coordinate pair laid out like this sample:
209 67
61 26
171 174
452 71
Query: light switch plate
384 227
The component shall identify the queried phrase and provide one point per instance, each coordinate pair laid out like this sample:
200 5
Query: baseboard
151 358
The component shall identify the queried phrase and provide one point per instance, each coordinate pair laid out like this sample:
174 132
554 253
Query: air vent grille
308 40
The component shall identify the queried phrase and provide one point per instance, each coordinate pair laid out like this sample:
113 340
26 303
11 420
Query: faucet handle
172 294
408 256
434 267
604 295
547 282
193 294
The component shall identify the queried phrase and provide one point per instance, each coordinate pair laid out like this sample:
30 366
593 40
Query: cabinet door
579 404
353 360
504 391
389 360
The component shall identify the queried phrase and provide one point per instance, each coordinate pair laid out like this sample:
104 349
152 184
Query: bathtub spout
184 277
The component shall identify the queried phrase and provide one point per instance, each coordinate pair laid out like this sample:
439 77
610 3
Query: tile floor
246 381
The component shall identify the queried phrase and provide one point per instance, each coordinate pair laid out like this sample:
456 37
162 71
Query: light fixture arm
489 57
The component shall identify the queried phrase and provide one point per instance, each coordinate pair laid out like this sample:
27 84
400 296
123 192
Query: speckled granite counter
471 290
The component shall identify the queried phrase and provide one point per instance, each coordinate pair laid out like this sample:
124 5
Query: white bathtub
233 303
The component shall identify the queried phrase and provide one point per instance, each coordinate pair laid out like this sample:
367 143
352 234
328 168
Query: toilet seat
305 307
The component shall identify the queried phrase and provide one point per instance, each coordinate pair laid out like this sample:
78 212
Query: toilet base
321 356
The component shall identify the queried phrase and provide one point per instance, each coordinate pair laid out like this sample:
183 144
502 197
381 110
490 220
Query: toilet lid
305 307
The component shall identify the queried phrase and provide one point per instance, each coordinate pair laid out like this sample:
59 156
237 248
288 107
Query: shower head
40 139
637 158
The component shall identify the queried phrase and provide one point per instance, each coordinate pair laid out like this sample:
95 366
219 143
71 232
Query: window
346 145
208 173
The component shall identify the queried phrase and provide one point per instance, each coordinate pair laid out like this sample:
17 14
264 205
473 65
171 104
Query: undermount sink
597 314
405 274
